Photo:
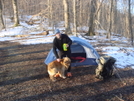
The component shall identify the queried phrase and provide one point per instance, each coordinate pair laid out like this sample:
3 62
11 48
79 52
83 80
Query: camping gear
105 67
80 50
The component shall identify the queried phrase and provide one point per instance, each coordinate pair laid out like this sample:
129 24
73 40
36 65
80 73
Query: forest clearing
26 35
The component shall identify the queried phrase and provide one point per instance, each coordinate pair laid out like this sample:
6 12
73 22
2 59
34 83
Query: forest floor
23 77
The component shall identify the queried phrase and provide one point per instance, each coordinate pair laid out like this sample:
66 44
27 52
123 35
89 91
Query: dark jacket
58 44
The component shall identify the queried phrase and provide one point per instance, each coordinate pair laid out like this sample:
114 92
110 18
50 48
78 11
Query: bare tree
91 22
66 17
1 16
97 14
130 20
115 18
110 20
15 9
94 14
50 10
75 23
80 13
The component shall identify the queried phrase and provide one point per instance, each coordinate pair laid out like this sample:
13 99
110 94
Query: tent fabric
79 58
79 48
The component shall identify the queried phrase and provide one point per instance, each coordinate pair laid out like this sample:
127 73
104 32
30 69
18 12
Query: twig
119 76
120 98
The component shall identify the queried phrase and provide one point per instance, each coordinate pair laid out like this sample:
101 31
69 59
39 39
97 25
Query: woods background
115 16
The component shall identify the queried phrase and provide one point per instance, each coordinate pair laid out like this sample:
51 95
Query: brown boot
69 74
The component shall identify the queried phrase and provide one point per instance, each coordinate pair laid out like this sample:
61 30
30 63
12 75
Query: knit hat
56 31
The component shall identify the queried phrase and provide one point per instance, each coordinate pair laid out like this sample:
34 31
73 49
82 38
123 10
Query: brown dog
55 67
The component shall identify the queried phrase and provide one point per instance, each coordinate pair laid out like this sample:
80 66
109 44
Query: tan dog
55 67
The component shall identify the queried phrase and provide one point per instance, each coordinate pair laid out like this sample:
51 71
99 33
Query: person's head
57 33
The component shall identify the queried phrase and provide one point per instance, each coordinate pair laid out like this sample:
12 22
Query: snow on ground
11 31
123 55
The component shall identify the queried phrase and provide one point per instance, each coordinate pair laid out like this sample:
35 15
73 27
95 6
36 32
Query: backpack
105 67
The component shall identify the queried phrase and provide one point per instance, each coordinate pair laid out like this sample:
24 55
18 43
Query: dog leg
52 78
62 74
51 75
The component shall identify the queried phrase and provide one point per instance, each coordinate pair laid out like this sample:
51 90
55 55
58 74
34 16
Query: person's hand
58 60
67 45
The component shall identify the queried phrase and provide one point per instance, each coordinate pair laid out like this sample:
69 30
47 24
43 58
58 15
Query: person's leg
69 74
61 54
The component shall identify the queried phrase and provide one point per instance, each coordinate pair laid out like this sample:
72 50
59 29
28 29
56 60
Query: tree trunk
80 14
15 9
2 26
98 13
49 13
75 23
91 21
115 18
126 24
110 20
97 16
66 17
130 20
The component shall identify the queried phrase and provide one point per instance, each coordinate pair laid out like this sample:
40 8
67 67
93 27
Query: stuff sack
105 67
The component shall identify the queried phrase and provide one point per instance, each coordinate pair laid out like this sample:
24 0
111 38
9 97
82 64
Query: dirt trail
23 77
